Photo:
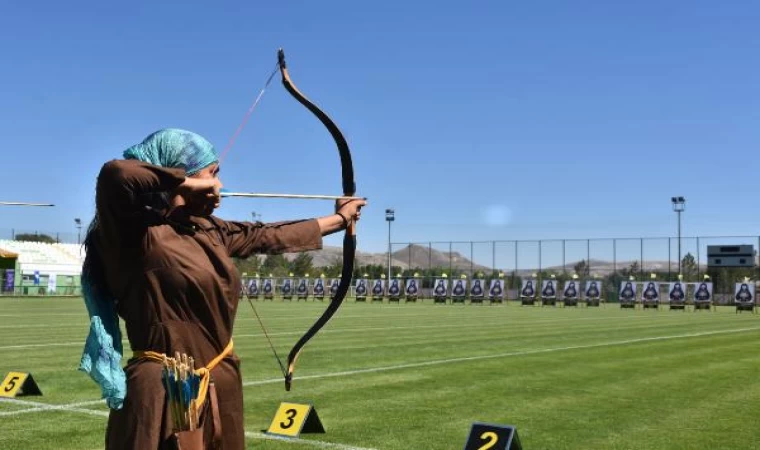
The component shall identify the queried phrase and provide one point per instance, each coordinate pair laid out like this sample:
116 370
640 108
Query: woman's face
206 206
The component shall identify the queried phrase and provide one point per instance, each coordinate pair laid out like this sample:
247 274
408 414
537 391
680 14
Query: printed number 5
492 437
291 415
11 384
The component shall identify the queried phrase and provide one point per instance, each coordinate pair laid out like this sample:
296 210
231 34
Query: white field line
74 407
437 362
320 444
351 330
460 324
243 317
37 407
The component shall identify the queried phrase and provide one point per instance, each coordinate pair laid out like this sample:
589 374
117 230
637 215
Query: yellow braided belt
204 372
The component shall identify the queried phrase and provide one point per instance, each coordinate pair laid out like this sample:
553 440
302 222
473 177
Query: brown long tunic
177 291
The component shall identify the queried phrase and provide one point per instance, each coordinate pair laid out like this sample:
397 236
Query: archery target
477 290
459 289
627 291
528 289
378 287
744 292
677 292
571 290
703 292
549 289
594 290
441 287
496 290
412 287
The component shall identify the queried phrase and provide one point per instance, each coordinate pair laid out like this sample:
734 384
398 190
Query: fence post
516 261
472 255
493 257
699 266
669 258
540 251
641 267
450 257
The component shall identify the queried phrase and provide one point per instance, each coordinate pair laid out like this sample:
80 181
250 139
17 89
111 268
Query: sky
476 120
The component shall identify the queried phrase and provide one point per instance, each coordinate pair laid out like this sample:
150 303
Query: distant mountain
423 257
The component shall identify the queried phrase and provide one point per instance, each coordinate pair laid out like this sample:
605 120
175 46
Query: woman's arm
121 182
246 238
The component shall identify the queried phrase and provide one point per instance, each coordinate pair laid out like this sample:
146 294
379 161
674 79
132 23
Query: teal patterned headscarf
174 148
101 358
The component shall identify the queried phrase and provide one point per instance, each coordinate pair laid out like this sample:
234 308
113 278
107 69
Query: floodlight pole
390 216
78 225
679 206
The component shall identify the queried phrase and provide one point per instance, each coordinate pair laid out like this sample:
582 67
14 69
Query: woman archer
158 258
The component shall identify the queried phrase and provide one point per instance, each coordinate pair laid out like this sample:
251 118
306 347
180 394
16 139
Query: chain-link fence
609 260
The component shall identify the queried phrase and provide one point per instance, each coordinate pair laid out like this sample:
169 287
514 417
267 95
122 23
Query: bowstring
229 146
248 113
276 356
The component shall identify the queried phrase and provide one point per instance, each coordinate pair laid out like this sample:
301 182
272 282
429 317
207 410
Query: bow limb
349 240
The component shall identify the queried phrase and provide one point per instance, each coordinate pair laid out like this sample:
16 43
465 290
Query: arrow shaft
24 204
295 196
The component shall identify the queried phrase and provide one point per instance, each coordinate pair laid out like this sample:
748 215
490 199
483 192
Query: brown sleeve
246 238
119 187
121 181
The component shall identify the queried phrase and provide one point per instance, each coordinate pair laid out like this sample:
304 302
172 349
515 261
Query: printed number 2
291 415
492 437
11 384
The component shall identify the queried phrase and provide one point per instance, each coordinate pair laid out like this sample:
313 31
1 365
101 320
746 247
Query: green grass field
416 376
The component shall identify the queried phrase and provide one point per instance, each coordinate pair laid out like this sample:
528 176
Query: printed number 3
492 437
11 384
291 415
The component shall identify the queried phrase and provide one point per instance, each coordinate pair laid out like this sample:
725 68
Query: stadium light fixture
679 206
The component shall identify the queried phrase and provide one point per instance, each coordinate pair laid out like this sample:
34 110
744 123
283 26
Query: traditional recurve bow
349 240
349 189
